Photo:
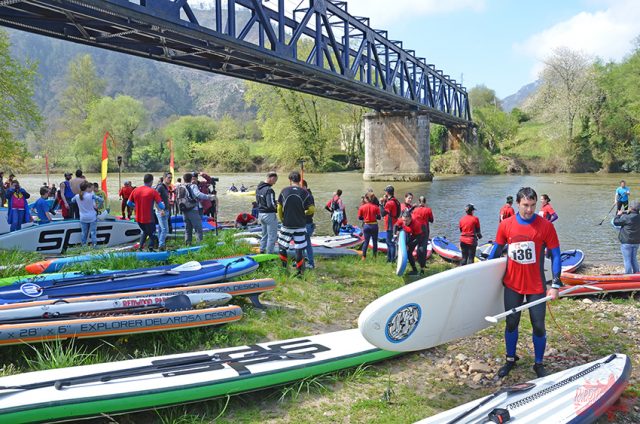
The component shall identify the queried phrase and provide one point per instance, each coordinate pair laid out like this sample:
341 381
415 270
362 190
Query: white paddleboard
56 237
437 309
577 395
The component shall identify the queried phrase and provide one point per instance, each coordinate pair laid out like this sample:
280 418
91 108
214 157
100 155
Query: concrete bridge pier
397 146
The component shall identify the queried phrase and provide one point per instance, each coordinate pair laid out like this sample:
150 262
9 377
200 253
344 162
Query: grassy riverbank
330 298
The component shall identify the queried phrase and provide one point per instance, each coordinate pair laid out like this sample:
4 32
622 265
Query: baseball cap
389 189
470 207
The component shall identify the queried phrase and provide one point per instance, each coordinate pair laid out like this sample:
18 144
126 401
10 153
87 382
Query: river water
581 201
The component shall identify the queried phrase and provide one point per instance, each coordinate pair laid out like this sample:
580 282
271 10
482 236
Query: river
581 201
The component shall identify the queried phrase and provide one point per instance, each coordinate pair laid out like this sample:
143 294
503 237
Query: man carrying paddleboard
416 234
527 235
622 196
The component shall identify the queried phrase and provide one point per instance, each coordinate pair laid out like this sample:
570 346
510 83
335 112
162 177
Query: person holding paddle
622 196
527 235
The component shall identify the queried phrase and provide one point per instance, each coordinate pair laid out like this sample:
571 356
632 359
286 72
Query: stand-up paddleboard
429 249
120 281
115 325
56 264
628 287
580 279
56 237
148 383
401 264
437 309
344 241
483 251
250 288
63 307
446 249
578 395
571 260
349 229
4 225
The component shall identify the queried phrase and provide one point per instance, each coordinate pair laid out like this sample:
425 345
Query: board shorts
296 235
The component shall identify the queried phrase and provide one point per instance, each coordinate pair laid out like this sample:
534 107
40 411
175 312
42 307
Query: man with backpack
187 198
267 208
390 210
337 209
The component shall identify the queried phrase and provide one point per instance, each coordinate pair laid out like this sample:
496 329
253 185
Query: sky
502 43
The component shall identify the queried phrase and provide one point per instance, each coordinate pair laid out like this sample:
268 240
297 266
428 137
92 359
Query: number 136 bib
523 252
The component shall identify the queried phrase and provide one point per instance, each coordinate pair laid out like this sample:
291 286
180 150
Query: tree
83 89
122 117
481 96
568 89
17 109
187 130
495 126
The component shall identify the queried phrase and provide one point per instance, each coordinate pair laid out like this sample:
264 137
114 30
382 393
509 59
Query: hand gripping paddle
522 387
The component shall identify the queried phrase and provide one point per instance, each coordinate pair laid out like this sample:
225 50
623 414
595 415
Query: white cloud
385 12
607 34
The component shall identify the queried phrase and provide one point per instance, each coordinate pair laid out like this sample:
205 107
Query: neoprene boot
508 366
540 370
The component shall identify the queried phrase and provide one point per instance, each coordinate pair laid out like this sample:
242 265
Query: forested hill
164 89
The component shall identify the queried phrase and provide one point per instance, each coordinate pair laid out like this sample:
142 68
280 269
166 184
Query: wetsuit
243 219
142 198
506 212
125 192
622 198
369 214
415 238
390 210
424 215
548 213
294 203
469 235
524 278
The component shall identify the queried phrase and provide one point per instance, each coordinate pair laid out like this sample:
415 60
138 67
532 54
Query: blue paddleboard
402 253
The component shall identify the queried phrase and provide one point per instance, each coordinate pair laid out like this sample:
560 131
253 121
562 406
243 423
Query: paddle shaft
528 305
512 389
605 217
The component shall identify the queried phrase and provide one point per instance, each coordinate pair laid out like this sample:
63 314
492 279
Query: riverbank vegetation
330 298
583 117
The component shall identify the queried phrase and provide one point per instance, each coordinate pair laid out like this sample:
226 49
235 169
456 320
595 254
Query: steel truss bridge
316 47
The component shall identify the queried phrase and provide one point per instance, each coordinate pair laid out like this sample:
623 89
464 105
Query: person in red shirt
415 237
244 219
369 214
527 235
390 210
408 203
507 210
469 235
142 199
125 193
546 211
424 215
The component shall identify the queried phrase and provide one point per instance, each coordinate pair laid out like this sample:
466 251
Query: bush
223 156
332 166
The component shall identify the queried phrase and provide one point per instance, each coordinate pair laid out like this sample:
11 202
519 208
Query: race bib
523 252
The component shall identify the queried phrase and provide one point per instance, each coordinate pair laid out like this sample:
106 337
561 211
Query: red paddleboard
579 279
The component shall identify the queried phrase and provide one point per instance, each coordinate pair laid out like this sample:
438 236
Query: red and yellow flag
171 159
105 162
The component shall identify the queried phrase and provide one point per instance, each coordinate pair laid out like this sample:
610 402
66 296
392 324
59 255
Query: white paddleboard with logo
437 309
576 395
56 237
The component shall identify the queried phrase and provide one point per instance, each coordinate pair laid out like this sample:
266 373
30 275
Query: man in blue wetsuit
622 196
528 235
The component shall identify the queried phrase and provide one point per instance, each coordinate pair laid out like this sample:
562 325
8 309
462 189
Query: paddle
185 267
494 319
522 387
605 217
170 367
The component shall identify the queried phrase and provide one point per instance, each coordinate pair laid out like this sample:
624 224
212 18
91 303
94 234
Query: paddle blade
493 320
188 266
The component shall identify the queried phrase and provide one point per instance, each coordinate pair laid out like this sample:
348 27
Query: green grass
330 298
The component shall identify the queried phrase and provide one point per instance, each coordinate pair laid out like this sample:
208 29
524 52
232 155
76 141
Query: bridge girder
248 40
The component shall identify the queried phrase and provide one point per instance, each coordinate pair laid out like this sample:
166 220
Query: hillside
518 99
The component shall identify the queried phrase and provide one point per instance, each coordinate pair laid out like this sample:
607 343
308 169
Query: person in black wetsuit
294 204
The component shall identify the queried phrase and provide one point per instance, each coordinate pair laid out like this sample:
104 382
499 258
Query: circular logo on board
402 323
31 290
